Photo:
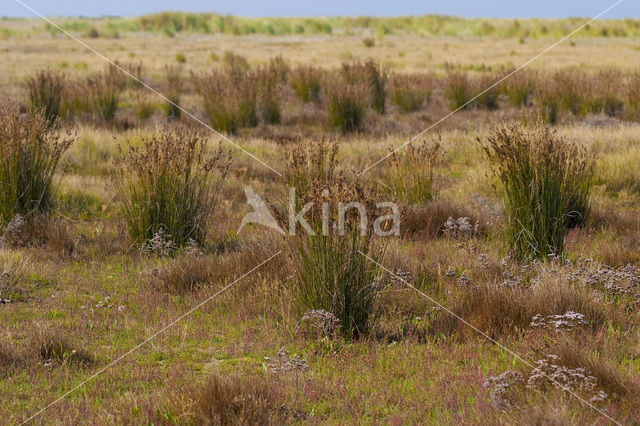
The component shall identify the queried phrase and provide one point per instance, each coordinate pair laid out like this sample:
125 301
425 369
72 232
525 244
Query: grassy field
476 313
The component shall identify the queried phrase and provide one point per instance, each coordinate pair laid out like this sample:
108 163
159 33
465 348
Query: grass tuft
458 89
409 92
104 92
175 84
632 103
170 183
546 182
9 357
268 94
332 274
52 347
31 149
229 97
306 81
229 400
520 86
45 93
347 103
373 77
410 175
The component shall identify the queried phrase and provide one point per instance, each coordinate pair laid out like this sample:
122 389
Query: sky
466 8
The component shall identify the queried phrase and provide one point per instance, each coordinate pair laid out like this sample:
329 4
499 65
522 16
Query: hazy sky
470 8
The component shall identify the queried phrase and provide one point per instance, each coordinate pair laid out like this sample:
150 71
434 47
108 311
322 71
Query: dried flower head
318 323
11 234
500 386
464 281
160 245
566 321
579 379
460 228
282 363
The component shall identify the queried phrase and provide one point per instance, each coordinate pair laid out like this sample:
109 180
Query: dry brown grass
53 346
229 400
618 381
54 235
633 96
499 310
571 87
185 273
604 93
10 356
520 86
427 221
458 90
137 70
488 99
194 270
234 62
619 250
544 413
609 216
547 103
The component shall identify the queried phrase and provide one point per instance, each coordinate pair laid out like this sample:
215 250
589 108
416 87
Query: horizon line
323 16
